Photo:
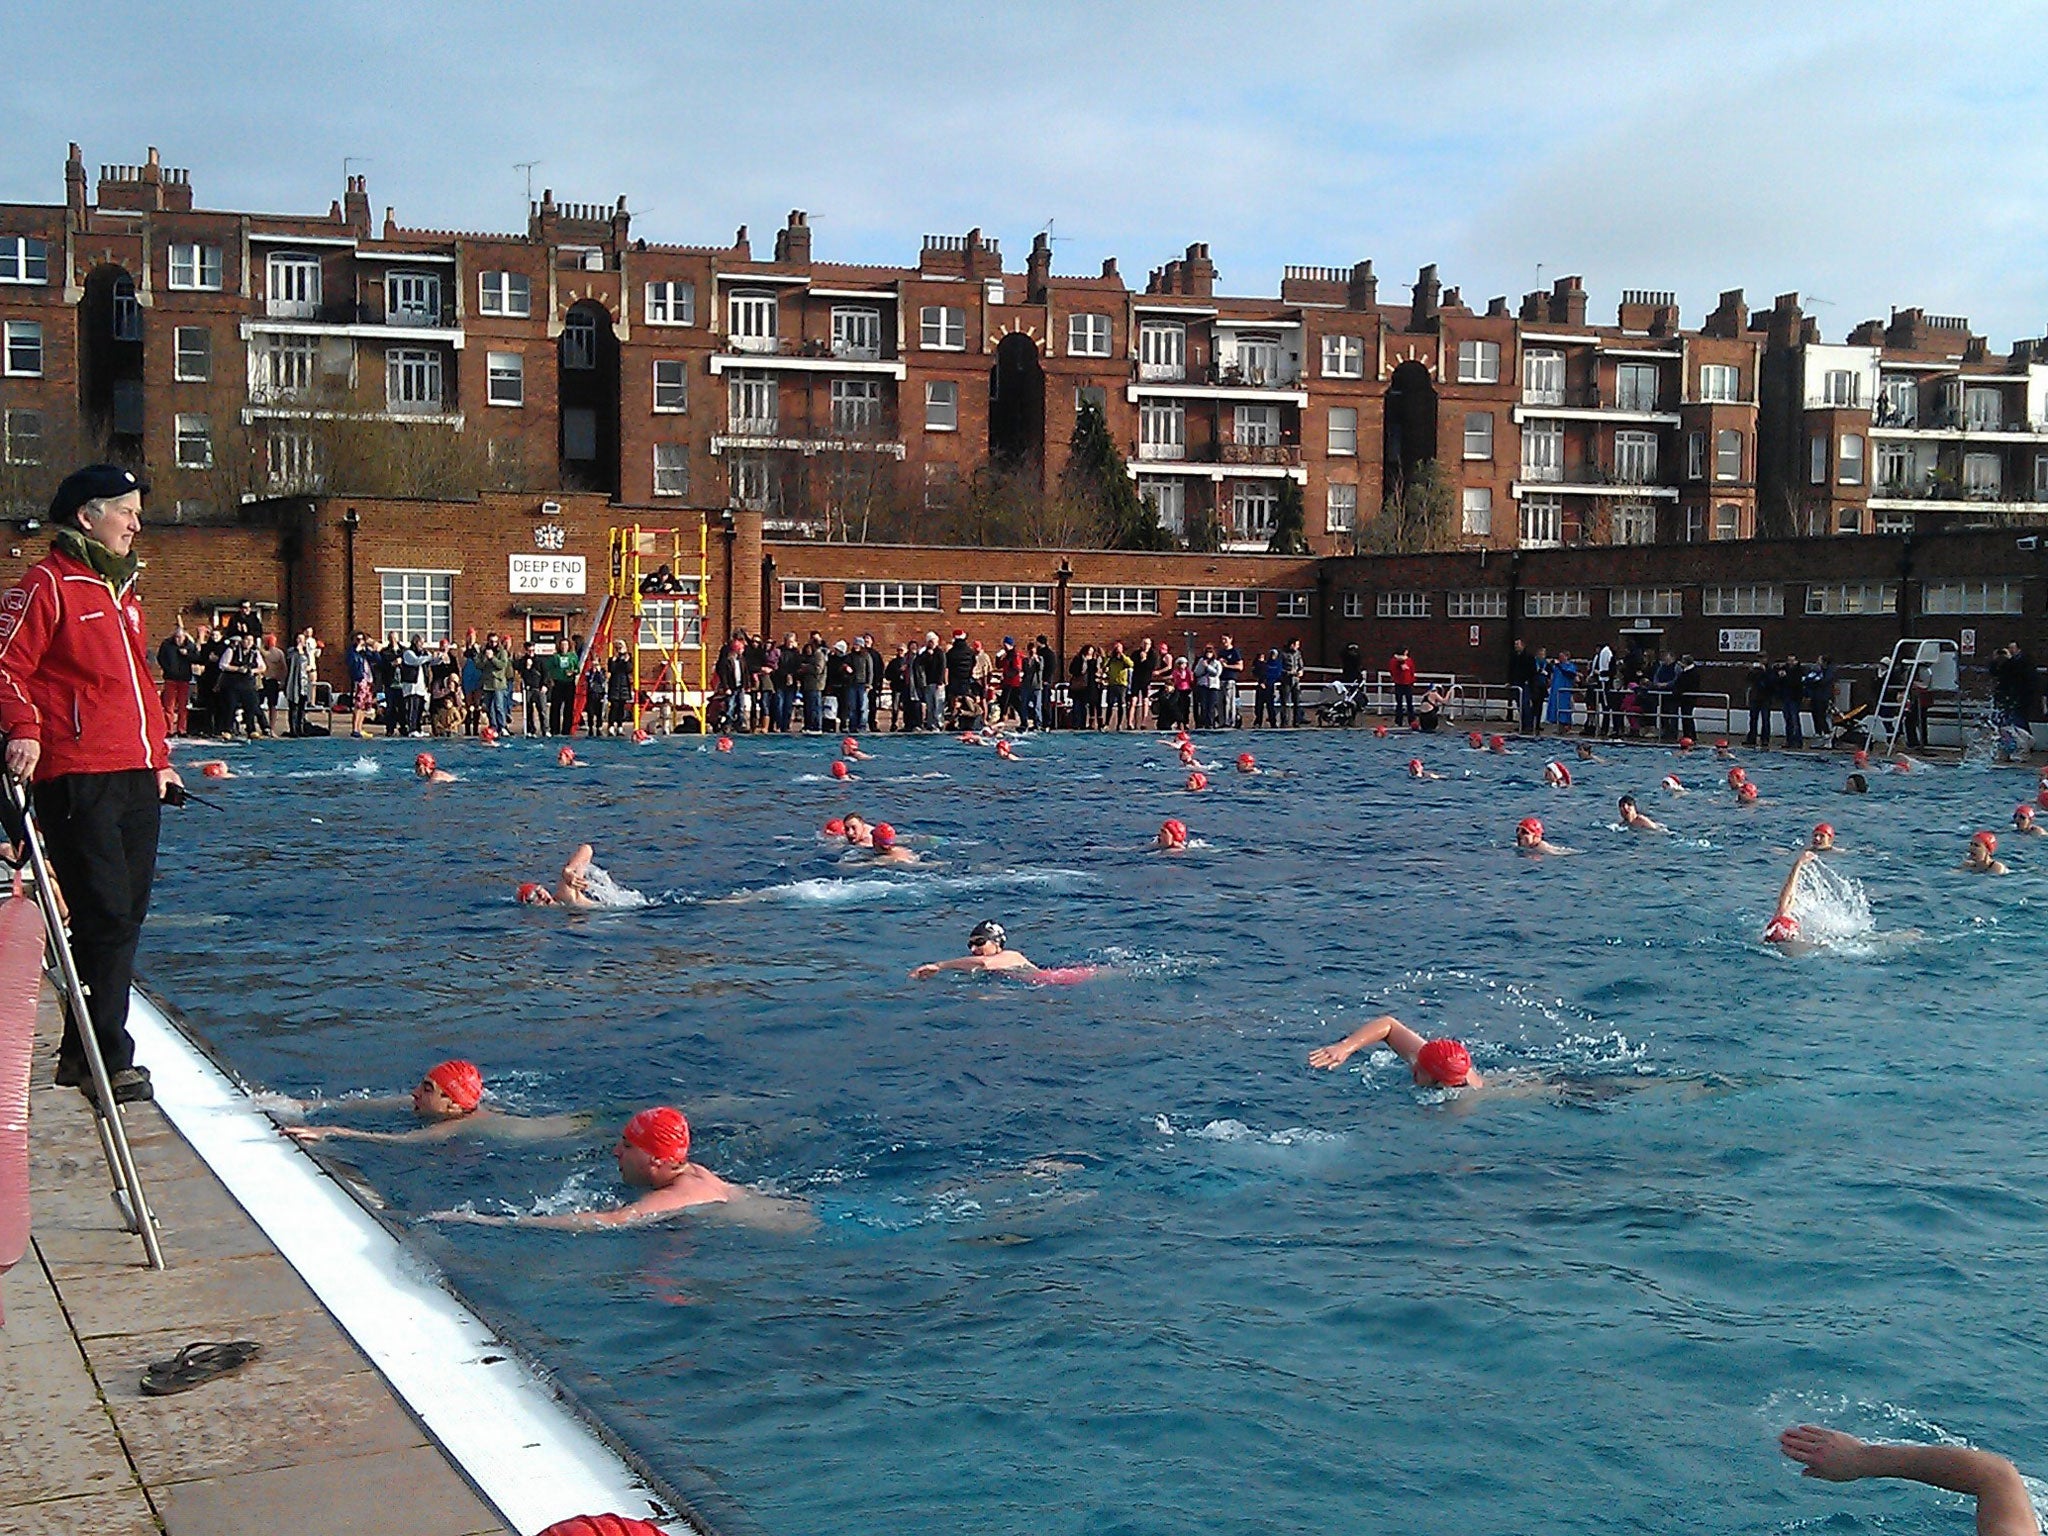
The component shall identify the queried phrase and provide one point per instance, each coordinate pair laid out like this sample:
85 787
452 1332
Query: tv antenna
349 160
527 166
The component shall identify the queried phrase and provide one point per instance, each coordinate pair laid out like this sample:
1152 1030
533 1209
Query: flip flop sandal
196 1365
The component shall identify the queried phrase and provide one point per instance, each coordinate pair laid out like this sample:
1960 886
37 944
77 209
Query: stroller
1344 705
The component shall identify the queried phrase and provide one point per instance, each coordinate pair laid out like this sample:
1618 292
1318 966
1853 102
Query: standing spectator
1030 687
1563 676
1820 697
1522 676
864 693
239 691
1402 670
902 697
1351 665
1756 702
1233 672
301 669
1208 689
1662 682
206 680
1292 662
1788 684
415 683
1144 666
273 682
813 666
494 676
1266 698
175 658
1082 674
73 706
959 664
1600 693
730 677
362 682
243 621
1049 681
618 690
1116 680
1183 687
1685 688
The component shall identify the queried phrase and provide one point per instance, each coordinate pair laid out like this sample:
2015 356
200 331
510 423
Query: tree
1205 532
1290 522
1098 484
1420 518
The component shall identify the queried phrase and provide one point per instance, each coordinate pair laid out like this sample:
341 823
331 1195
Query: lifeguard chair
654 600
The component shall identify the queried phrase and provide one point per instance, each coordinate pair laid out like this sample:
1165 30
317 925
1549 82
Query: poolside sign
1742 642
560 574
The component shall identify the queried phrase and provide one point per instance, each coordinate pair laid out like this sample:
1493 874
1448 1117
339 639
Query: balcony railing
753 426
814 346
1288 454
1589 474
1156 453
1587 397
1162 373
1238 375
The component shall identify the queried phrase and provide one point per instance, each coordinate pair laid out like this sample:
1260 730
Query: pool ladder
1932 662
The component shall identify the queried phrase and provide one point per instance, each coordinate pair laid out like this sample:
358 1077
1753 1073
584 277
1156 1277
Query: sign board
1968 645
549 632
1473 632
1742 642
560 575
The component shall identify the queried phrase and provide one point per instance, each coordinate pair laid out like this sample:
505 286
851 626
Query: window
755 483
1254 508
1343 357
1476 603
1644 603
128 403
892 596
127 319
1088 335
1004 597
1983 476
412 380
1162 430
803 596
1983 410
1543 451
1402 605
1341 509
1696 456
857 334
1996 597
195 442
1848 518
294 461
24 437
1840 386
1851 466
2041 477
671 623
1852 597
1721 382
1478 362
671 385
1112 600
1635 457
1479 434
1727 521
856 407
942 328
751 404
1892 522
750 322
1218 603
24 259
1291 605
1091 394
1354 605
505 378
1895 466
1162 351
1901 404
1634 522
1478 511
1635 386
1556 603
1258 359
671 303
942 407
1542 522
1728 454
195 266
292 287
418 603
1742 600
1168 498
283 367
192 362
1817 456
412 298
671 469
1543 378
579 341
506 293
1255 426
1343 429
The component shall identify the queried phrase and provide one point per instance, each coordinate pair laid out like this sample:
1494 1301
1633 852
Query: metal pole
107 1112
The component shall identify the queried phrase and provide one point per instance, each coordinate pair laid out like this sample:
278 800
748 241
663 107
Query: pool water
1110 1257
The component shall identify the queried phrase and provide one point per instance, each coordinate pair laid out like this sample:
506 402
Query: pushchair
1344 705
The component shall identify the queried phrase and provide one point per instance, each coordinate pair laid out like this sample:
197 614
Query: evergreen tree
1290 522
1097 479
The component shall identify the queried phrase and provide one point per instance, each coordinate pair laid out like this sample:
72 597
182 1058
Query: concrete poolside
308 1438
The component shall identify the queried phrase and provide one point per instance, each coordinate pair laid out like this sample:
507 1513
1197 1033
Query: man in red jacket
82 724
1402 668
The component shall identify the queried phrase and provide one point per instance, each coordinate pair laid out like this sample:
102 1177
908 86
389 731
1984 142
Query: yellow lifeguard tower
654 600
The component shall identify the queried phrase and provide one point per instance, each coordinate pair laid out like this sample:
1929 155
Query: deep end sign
558 574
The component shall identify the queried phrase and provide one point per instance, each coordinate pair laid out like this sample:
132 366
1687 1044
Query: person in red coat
1402 670
84 726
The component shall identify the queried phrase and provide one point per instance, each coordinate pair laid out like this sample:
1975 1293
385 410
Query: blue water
1110 1257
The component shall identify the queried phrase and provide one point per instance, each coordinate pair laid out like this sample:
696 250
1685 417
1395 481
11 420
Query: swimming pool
1110 1257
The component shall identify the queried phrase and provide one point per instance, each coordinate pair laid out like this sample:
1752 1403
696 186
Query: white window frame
1543 451
1217 603
1635 458
671 469
856 332
196 267
1727 466
579 342
752 321
1112 600
1645 603
1340 508
504 378
1556 603
755 481
1162 429
1352 605
20 429
941 405
1254 511
1162 351
284 368
1479 434
24 259
504 293
127 317
1900 394
1292 605
1401 605
417 603
671 386
194 440
891 597
1982 473
1255 426
1727 523
672 623
1850 599
1983 408
1721 383
942 328
1840 387
1849 459
753 405
1475 511
1005 597
1343 357
183 355
1973 597
412 298
1543 377
1637 386
291 286
1478 362
1742 600
413 381
800 595
1542 522
293 460
1633 522
1089 335
1696 455
856 407
1817 459
1476 603
1343 431
670 302
1167 496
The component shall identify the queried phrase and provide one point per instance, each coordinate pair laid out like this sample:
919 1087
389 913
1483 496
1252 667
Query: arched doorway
1410 426
587 377
110 392
1016 405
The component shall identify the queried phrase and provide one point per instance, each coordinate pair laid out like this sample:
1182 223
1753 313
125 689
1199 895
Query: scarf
116 570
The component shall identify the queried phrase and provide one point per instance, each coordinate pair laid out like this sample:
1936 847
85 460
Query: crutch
128 1196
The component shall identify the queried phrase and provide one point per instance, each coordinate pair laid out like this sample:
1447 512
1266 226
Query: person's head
1497 744
103 502
1745 793
449 1091
1737 777
1627 806
654 1148
1858 784
986 938
1442 1063
1415 768
884 837
1983 848
602 1525
424 765
1862 758
1246 763
534 894
1173 833
1823 837
839 768
855 829
1528 832
2023 818
1585 752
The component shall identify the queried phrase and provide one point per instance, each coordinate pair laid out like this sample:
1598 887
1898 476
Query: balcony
816 355
758 436
358 322
1235 461
1584 402
1284 455
1162 373
1161 453
1890 422
1587 480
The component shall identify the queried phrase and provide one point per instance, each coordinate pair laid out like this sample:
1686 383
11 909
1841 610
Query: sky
1867 156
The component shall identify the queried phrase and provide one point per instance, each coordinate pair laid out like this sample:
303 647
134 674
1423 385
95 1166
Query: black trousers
100 830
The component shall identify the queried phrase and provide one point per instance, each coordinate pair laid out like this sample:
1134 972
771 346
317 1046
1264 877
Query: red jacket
1403 668
73 675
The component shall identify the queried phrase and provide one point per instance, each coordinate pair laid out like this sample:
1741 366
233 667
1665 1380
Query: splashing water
604 891
1831 906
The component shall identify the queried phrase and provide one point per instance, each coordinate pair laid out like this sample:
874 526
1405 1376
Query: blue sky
1865 155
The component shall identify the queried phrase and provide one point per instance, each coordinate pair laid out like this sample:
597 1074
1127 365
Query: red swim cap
1415 765
838 768
1823 829
663 1134
1988 839
725 743
1198 780
566 756
602 1525
848 744
1903 764
1685 743
834 828
220 771
1246 761
883 835
461 1081
1720 743
1182 735
640 737
530 892
1473 738
1745 791
1671 781
1780 928
423 763
1003 749
1862 758
1447 1061
1531 825
487 734
1737 777
1497 744
1558 774
2022 813
1379 730
1174 830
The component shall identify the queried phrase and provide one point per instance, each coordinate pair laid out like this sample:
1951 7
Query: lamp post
1065 577
351 520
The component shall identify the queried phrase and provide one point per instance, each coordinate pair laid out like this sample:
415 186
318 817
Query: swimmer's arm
2003 1508
1372 1033
1792 880
441 1130
958 963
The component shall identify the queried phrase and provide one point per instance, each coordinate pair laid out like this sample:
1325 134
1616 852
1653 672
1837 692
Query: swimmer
1982 859
849 748
1529 838
1861 758
640 737
1498 745
487 734
1586 753
2003 1505
1783 928
1722 750
571 890
1746 795
985 952
1671 786
1417 771
1187 753
1902 765
1685 744
449 1100
1737 777
1474 740
1557 776
840 771
1380 730
567 758
1856 784
2023 822
724 744
1823 838
887 849
1197 782
1634 819
1246 763
215 769
1173 836
856 832
1432 1063
424 767
1004 751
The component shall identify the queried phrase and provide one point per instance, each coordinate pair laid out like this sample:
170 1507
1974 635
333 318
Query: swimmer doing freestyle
985 952
2003 1505
1431 1063
572 889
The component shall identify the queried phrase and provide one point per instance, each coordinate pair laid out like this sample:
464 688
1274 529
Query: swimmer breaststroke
1431 1063
449 1102
985 952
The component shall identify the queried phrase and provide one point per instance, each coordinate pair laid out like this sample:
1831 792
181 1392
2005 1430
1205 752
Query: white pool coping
533 1458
